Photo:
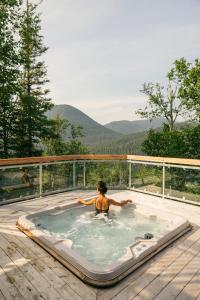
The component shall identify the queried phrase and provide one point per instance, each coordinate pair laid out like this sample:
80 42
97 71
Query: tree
178 143
32 127
9 73
167 103
190 88
74 145
33 101
56 145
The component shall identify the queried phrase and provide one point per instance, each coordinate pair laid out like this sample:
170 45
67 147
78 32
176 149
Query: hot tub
100 250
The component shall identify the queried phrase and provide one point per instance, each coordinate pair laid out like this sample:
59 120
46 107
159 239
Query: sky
102 51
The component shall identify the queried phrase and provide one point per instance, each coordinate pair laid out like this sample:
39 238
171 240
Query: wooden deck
29 272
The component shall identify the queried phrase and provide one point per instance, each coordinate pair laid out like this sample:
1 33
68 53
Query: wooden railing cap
46 159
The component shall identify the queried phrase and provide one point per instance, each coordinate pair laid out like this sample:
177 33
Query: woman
101 202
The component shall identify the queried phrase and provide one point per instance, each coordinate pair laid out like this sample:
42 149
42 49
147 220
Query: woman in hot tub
101 202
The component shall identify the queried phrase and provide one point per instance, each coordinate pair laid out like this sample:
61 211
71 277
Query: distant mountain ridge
114 137
132 143
127 144
129 127
94 133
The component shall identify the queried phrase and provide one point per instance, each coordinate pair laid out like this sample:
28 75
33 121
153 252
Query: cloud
105 50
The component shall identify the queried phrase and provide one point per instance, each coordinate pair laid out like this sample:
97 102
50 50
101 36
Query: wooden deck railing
47 170
46 159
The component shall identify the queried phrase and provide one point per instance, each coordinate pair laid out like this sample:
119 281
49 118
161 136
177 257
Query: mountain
94 133
127 144
131 143
128 127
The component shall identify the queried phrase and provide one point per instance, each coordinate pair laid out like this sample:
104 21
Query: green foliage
55 145
34 75
9 73
129 144
32 123
115 174
183 143
128 127
190 89
182 93
94 133
31 127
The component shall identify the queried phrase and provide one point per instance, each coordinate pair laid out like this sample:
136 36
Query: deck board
172 279
28 272
192 289
149 283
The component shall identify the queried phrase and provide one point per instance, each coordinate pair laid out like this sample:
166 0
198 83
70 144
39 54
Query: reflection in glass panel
19 182
147 178
79 171
57 177
182 183
114 173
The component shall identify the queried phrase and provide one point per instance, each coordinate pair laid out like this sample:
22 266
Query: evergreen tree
55 145
33 102
9 73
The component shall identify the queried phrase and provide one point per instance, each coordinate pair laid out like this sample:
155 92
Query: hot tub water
100 240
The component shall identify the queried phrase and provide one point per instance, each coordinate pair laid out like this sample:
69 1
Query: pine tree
33 102
9 73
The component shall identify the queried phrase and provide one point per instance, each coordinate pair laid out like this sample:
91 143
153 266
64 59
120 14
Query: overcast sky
102 51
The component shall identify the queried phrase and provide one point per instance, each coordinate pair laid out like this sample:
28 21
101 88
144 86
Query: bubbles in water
101 240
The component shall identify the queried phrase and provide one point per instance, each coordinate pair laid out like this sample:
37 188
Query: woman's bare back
102 203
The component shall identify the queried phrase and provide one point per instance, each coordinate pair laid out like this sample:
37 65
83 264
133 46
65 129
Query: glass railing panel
79 174
114 173
147 178
19 182
56 177
182 183
124 174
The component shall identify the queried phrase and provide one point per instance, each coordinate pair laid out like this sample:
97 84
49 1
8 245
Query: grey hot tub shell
137 253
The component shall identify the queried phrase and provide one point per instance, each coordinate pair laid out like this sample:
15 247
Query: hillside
128 127
94 133
100 139
129 144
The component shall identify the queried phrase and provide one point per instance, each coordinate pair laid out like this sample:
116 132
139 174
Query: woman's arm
88 202
124 202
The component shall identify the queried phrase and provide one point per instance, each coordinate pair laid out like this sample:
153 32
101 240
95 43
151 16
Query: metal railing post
163 182
74 174
84 177
40 180
129 182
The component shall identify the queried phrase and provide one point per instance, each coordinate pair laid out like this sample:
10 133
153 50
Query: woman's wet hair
102 188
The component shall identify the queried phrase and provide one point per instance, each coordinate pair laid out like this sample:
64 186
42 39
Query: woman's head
102 188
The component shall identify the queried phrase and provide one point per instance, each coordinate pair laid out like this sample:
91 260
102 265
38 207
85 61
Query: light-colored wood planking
192 289
198 297
35 275
48 159
166 160
24 265
142 284
16 277
182 280
174 273
53 271
7 287
1 295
